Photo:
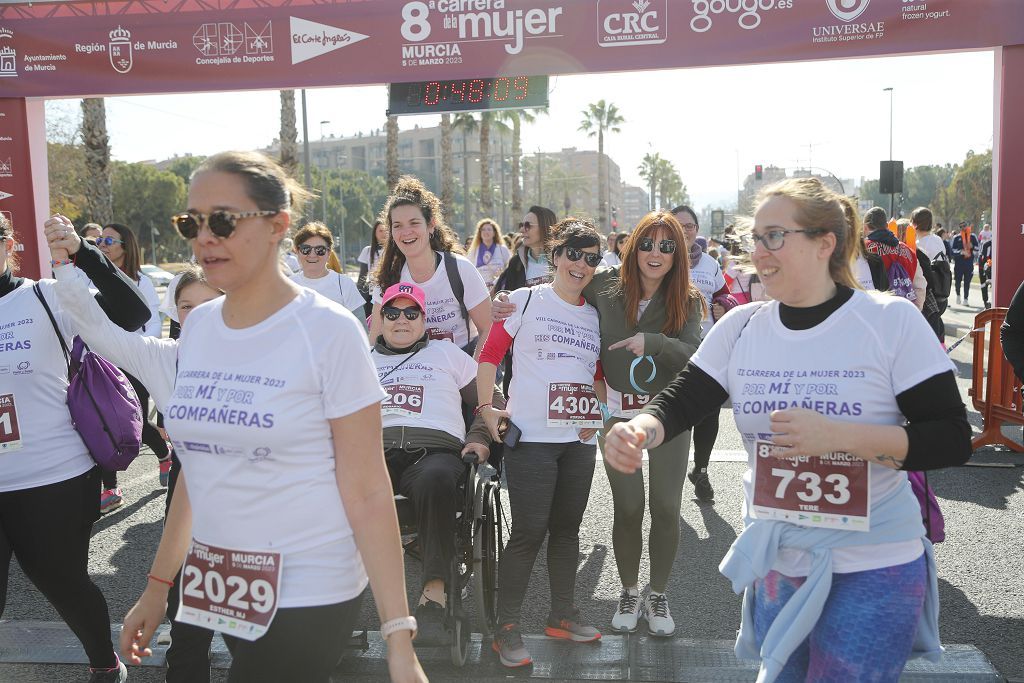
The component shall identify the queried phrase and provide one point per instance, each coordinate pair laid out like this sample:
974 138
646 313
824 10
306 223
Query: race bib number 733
831 491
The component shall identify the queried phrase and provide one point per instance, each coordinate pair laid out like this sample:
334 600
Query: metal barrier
995 390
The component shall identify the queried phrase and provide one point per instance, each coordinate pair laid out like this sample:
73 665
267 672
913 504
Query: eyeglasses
691 227
107 241
304 249
392 313
221 223
664 246
525 225
773 240
593 260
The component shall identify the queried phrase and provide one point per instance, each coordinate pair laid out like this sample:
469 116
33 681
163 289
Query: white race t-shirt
444 318
154 326
425 389
494 262
537 272
337 287
38 444
707 277
932 245
364 256
167 306
555 342
611 259
846 368
249 417
862 273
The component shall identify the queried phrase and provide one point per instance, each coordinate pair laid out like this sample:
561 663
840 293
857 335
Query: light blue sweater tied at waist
753 554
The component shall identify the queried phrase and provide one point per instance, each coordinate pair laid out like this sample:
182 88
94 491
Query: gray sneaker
119 674
627 612
508 643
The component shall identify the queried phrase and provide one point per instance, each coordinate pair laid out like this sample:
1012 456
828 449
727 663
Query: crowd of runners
297 402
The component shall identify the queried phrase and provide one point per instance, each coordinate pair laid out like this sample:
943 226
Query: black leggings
705 433
303 644
48 528
150 435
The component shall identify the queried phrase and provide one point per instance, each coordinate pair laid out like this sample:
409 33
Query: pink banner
115 48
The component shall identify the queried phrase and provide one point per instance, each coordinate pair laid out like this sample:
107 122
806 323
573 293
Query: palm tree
486 194
650 170
466 123
289 134
447 178
392 168
517 117
99 194
598 118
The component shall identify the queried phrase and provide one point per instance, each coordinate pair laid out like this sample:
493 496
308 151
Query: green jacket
670 353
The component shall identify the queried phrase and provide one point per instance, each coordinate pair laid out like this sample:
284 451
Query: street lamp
892 196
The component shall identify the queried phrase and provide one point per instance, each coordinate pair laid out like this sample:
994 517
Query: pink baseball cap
407 290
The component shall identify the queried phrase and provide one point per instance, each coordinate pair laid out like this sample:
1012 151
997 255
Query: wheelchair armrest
469 458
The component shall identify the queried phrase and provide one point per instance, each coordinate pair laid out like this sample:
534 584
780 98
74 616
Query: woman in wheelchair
425 436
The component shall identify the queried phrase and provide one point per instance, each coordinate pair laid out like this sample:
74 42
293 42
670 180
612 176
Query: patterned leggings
865 631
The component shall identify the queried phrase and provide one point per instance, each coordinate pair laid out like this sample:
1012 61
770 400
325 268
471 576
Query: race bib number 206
832 491
403 399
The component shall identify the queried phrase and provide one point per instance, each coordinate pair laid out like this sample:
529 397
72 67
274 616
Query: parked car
159 276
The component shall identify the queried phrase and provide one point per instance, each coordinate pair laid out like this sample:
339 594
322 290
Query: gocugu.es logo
847 10
749 11
640 22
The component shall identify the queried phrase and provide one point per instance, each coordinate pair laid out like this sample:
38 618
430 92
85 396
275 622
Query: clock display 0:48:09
475 90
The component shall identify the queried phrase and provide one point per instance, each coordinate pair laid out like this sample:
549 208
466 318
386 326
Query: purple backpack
104 408
931 515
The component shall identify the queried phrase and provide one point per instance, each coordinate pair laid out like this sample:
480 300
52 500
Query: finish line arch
129 47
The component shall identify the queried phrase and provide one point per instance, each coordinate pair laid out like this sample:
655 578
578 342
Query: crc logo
640 22
847 10
749 11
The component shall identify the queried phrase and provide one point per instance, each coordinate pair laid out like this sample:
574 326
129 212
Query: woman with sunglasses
529 265
119 244
49 484
553 414
283 496
650 326
425 251
488 251
839 576
706 275
313 243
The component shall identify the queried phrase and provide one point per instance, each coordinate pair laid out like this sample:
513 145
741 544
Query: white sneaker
659 620
959 301
628 612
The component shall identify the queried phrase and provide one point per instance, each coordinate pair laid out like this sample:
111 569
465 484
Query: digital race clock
468 94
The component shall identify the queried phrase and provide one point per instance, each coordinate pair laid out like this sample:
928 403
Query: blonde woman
488 252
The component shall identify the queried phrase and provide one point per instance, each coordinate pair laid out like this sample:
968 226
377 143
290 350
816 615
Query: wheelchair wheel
460 641
487 546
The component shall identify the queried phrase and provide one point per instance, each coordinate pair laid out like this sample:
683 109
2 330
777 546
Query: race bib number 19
10 432
832 491
231 591
573 405
632 404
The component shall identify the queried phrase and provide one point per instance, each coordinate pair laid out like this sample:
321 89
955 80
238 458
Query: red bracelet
159 580
476 411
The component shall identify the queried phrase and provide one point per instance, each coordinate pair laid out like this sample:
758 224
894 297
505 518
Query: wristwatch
399 624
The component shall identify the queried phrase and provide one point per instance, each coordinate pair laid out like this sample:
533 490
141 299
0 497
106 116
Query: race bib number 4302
10 432
832 491
571 404
403 399
231 591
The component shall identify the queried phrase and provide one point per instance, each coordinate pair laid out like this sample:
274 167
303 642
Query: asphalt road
980 581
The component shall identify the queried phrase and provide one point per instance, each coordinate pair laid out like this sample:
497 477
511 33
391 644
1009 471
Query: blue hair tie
632 372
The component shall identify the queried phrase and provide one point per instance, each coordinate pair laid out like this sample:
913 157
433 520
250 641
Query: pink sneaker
110 499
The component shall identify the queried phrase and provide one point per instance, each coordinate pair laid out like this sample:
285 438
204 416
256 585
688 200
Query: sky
714 124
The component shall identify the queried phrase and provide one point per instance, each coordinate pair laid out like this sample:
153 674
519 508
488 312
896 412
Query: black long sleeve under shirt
937 426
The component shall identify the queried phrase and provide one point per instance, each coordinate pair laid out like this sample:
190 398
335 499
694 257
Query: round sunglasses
591 259
107 241
664 246
392 313
220 223
305 250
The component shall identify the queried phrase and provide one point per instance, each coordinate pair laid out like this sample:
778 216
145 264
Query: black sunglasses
393 312
591 259
304 249
665 246
107 241
525 224
221 223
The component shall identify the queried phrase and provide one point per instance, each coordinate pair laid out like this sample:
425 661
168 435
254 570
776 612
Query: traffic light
758 172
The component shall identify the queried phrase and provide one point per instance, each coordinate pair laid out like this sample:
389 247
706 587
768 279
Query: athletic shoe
165 472
110 500
628 612
959 301
701 485
570 629
119 674
508 643
430 623
659 619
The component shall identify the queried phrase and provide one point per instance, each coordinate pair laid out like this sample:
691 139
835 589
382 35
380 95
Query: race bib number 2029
832 491
231 591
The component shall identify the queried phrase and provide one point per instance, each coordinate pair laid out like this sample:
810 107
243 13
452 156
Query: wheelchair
479 539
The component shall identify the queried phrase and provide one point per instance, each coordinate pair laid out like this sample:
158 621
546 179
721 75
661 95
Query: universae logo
847 10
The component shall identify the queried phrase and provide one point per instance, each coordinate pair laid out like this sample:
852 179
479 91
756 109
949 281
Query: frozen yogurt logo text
749 11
